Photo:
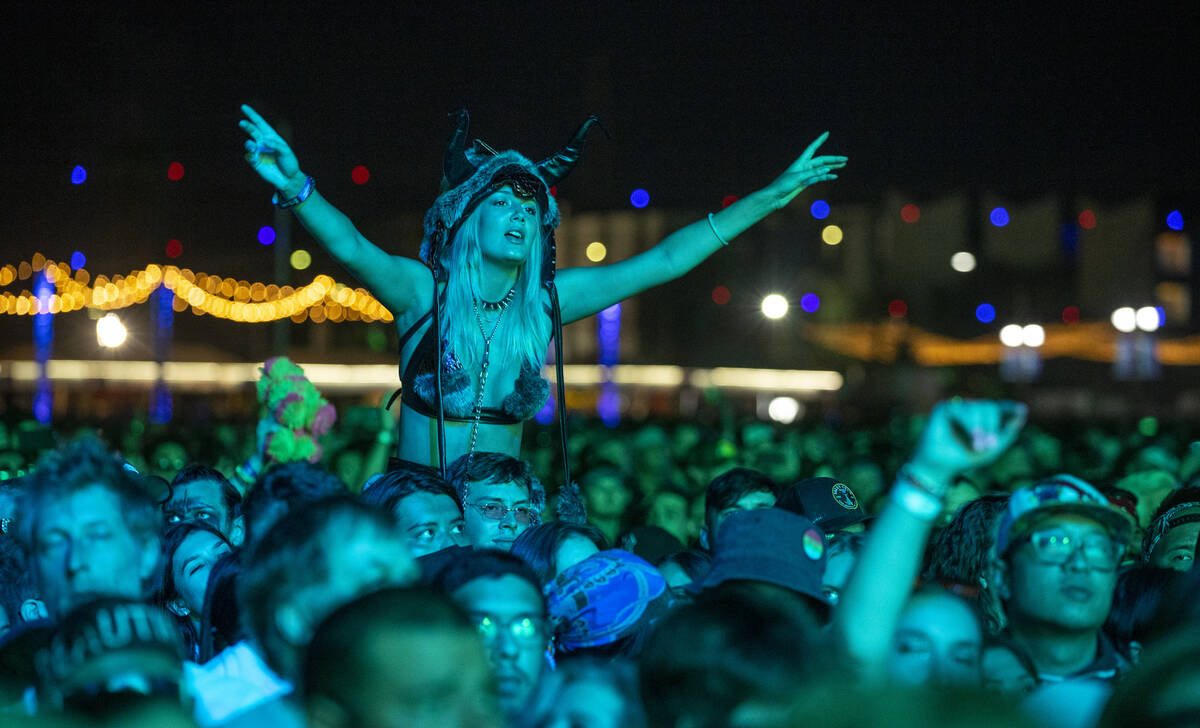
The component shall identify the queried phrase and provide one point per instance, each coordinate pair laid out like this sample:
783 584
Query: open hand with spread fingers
270 155
806 172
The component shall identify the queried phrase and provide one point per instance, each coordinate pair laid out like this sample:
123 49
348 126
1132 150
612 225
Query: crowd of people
960 568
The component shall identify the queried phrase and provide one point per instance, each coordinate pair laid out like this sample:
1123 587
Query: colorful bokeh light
1070 315
78 175
360 174
985 313
831 234
720 295
300 259
1174 219
728 200
174 248
266 235
639 198
78 260
809 302
910 213
174 171
1087 219
897 308
999 217
819 209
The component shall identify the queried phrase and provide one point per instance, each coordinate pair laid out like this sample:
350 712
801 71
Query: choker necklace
502 303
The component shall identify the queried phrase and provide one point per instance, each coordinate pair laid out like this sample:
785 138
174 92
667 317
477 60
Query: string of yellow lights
323 299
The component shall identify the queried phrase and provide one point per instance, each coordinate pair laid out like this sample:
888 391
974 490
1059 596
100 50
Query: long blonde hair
525 329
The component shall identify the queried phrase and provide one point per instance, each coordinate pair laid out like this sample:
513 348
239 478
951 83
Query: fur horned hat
469 173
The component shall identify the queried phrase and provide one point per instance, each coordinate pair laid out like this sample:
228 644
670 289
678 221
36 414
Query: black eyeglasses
1055 546
497 512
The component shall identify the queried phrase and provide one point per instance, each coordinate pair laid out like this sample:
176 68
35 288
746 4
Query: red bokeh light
897 308
720 295
1070 315
1087 219
174 248
554 191
728 200
174 171
360 175
910 213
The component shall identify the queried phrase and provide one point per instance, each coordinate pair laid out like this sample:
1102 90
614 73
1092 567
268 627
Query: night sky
702 101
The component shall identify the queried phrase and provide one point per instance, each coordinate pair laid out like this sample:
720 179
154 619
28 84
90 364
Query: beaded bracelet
714 230
309 185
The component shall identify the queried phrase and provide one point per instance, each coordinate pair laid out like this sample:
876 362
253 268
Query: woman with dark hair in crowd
189 549
551 548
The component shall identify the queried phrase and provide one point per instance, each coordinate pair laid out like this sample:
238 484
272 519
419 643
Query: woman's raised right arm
394 280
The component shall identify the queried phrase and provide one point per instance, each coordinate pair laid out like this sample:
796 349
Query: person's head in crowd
668 509
605 605
18 600
841 555
502 597
740 489
551 548
1170 541
1005 667
200 493
586 692
607 495
1139 594
313 559
281 489
829 503
88 527
189 550
937 641
725 652
399 656
425 506
109 654
500 497
682 568
167 459
1059 544
773 553
1150 486
959 555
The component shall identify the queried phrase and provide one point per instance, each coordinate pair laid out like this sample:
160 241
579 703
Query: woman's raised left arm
585 291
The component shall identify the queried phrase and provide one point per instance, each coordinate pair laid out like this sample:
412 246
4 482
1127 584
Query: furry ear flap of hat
569 506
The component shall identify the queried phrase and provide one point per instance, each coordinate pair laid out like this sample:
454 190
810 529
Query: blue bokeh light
78 260
819 209
1175 220
640 198
78 175
266 235
546 414
1162 316
809 302
999 217
985 313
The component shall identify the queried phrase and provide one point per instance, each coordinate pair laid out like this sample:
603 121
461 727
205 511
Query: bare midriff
419 438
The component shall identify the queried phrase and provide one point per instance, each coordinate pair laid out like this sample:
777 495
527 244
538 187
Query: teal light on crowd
266 235
78 175
999 217
819 209
640 198
985 313
1175 220
78 260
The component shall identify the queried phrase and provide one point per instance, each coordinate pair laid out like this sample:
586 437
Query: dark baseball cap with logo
828 502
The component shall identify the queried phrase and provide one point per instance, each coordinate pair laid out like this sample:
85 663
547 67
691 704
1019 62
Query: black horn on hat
456 167
554 168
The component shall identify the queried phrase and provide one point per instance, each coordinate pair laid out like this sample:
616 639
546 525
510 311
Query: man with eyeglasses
500 498
501 596
1058 547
